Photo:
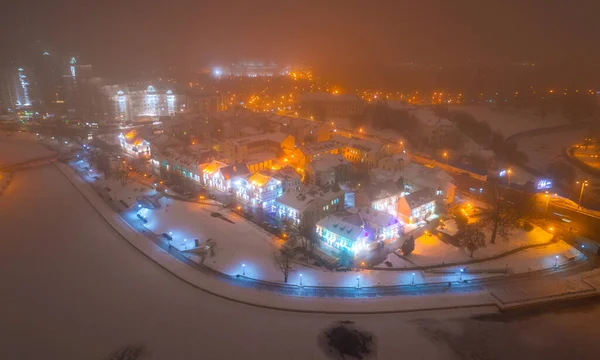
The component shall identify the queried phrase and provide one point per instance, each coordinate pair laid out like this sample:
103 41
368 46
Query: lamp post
413 279
446 156
300 280
583 186
243 269
461 273
508 172
556 261
358 281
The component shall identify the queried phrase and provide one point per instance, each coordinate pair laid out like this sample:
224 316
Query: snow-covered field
509 122
73 289
430 250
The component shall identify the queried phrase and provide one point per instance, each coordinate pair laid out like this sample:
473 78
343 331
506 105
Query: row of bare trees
505 208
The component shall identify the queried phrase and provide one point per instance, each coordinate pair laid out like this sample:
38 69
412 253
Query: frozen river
71 288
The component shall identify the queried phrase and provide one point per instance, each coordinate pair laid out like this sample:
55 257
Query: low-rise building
344 232
309 152
380 196
133 144
382 225
290 178
417 206
327 169
433 127
223 177
305 207
393 162
241 149
364 153
260 189
417 176
171 164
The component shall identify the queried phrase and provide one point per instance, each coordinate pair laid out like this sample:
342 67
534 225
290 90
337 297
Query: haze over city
299 179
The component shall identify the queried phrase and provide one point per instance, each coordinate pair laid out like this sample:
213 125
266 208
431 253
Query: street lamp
556 261
243 269
583 186
446 157
508 172
413 279
300 279
358 281
461 273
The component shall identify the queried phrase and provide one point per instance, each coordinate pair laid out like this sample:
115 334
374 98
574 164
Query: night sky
189 33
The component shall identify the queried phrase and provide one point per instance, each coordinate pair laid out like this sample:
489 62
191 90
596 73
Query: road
73 289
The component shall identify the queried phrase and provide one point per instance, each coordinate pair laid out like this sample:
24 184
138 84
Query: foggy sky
192 32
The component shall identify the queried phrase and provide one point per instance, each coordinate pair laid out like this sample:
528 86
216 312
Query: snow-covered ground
19 148
509 122
73 289
430 250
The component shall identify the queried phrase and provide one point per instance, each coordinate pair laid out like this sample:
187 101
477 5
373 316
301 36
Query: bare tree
470 235
501 212
301 236
283 260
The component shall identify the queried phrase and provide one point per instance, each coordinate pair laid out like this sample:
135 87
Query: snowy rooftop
302 199
213 166
297 200
420 174
321 147
379 175
259 179
278 137
328 161
370 215
383 190
346 225
178 156
365 145
420 197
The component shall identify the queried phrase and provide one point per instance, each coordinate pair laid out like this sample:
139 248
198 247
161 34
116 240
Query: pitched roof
233 171
382 190
377 217
298 200
321 147
213 166
328 161
346 225
420 197
259 179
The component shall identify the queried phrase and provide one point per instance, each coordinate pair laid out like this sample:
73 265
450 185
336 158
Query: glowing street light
358 281
243 269
461 274
300 279
508 172
583 186
556 261
446 157
413 279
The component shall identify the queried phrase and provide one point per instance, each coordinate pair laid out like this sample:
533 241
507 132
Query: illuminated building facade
17 88
260 190
344 232
130 102
134 144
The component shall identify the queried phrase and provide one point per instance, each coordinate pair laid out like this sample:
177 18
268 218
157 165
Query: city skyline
189 34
